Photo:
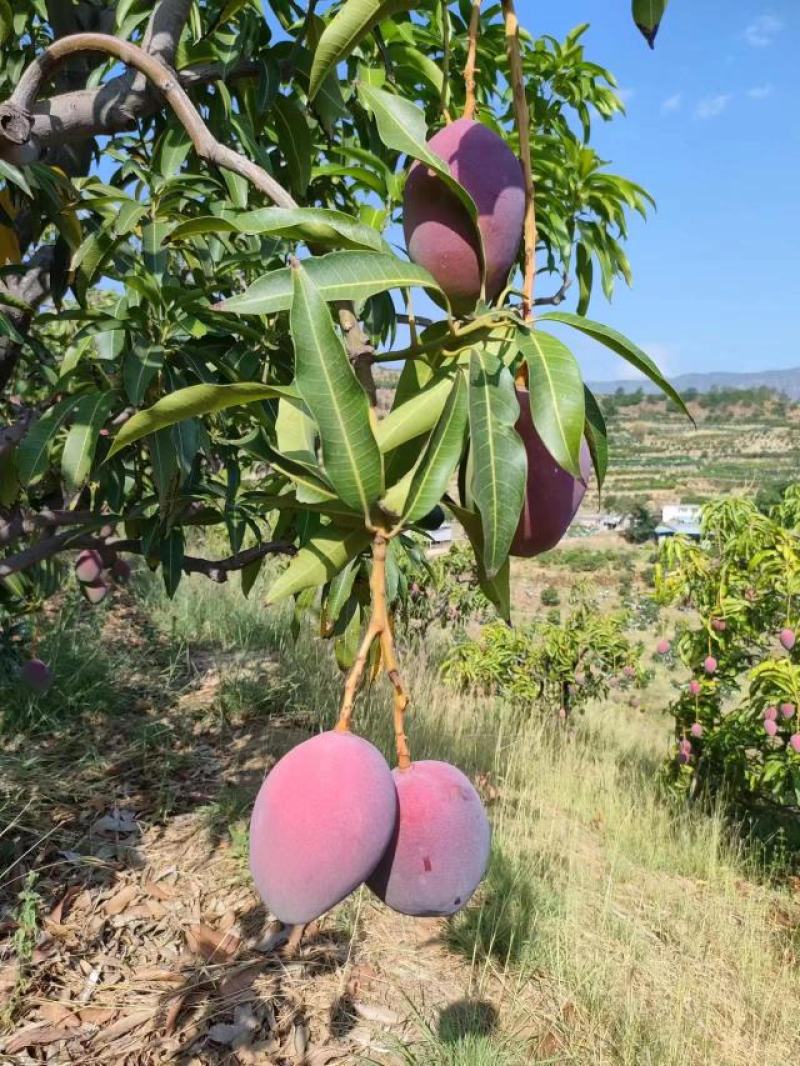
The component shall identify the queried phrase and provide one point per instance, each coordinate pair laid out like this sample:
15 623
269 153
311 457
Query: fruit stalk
472 51
379 628
523 121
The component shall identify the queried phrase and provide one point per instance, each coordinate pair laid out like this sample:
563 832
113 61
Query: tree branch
472 51
523 122
557 297
216 570
208 148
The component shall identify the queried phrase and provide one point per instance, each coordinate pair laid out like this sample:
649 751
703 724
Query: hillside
782 381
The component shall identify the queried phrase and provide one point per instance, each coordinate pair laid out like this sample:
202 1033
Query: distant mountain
782 381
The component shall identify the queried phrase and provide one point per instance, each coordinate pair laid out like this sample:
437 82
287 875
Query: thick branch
216 570
205 144
523 122
472 51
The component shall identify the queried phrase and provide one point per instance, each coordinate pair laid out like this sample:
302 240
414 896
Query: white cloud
672 103
762 31
760 92
712 106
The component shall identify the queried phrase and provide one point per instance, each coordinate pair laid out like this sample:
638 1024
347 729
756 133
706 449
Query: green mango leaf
596 436
166 473
191 402
347 636
337 276
647 14
8 329
338 594
325 380
401 127
417 415
498 588
171 553
15 176
441 456
6 21
295 142
620 344
500 464
313 225
556 395
350 24
81 442
139 366
318 561
33 452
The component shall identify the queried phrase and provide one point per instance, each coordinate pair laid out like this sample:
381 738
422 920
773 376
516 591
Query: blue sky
713 132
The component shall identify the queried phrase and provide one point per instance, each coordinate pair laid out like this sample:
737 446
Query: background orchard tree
736 722
163 163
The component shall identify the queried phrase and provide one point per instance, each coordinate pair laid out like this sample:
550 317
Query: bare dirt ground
155 947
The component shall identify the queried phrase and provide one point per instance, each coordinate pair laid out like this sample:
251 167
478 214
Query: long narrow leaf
500 463
620 344
349 25
556 396
325 380
317 562
347 275
191 402
81 442
442 454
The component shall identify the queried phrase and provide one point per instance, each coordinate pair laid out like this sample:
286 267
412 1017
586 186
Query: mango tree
200 273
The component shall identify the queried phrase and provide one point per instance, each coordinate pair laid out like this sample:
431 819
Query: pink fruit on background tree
770 714
684 751
770 727
663 647
552 494
37 676
440 848
788 638
710 665
440 235
787 710
322 819
794 742
719 625
88 566
694 688
696 730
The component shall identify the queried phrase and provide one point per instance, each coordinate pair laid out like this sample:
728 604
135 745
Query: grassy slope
610 929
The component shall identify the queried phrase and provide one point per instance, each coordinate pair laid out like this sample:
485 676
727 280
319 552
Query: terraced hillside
742 442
